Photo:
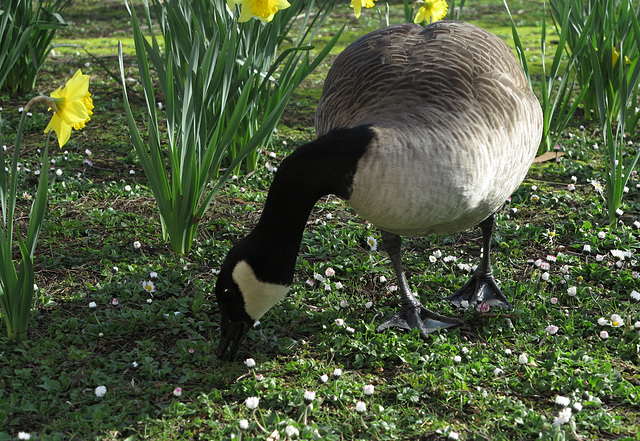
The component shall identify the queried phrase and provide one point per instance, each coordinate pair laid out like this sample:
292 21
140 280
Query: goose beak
232 335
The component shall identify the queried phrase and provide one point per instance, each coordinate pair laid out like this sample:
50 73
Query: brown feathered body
456 124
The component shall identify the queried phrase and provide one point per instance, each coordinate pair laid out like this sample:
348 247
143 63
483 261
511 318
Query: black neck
324 166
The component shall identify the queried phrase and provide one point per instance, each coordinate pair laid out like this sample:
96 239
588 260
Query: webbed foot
480 289
420 318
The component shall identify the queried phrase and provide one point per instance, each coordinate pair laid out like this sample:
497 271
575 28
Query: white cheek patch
258 296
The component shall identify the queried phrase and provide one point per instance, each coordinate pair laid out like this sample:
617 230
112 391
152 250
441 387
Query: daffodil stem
41 99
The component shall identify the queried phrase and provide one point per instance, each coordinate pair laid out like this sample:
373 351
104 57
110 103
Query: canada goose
420 130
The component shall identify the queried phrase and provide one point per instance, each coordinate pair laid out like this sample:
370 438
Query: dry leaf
549 156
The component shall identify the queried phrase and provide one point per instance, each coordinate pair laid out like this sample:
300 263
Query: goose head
234 319
243 296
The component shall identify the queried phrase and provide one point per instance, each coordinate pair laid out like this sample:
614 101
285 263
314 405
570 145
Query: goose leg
412 314
482 288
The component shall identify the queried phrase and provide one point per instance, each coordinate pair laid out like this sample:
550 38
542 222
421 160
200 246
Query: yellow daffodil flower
431 10
72 105
263 10
358 4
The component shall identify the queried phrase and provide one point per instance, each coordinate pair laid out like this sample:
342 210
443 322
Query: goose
420 130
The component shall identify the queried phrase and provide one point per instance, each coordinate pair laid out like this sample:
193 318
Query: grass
472 381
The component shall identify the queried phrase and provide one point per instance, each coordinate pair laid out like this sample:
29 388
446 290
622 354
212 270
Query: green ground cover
498 378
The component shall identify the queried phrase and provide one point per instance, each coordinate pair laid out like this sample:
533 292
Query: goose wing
406 73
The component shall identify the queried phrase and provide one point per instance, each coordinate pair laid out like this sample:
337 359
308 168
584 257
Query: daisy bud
291 431
100 391
551 329
252 402
484 307
309 396
309 282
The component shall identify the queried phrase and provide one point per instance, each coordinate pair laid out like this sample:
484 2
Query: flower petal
76 87
357 6
74 112
63 130
245 12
